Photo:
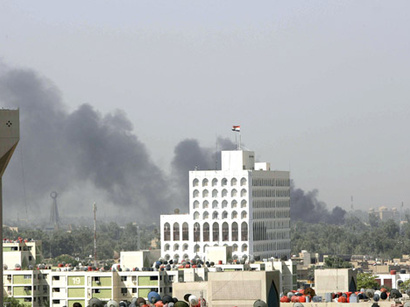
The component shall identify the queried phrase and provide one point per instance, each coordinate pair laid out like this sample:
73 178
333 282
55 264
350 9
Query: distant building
21 253
244 205
29 287
385 214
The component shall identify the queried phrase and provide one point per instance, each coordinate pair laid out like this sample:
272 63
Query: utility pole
95 234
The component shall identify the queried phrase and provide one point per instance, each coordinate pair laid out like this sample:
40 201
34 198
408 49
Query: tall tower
54 218
9 137
245 205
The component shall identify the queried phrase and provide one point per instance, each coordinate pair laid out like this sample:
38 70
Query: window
234 231
224 182
176 232
153 278
244 231
205 193
195 182
195 194
215 232
197 232
214 193
167 232
224 215
234 193
224 192
243 193
54 289
225 232
205 215
54 277
215 215
166 247
134 290
185 232
206 232
205 204
123 278
243 204
214 182
244 215
196 204
124 291
243 181
196 216
56 302
215 204
234 204
234 215
96 290
233 181
224 204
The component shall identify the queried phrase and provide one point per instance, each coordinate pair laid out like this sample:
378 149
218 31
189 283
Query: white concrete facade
244 205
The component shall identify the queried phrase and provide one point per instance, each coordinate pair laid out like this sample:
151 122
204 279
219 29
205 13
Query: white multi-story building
244 205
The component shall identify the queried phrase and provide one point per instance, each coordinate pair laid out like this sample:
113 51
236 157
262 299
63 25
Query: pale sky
320 88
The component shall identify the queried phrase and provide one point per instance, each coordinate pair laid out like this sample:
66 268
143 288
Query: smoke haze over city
320 89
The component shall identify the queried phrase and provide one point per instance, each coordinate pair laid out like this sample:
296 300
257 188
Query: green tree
367 281
12 302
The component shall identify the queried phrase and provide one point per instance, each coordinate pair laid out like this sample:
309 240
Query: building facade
244 205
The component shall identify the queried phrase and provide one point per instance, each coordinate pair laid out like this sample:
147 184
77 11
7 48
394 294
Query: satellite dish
260 303
112 303
95 302
369 293
193 300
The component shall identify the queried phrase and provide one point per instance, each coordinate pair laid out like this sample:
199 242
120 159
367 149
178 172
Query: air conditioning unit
98 282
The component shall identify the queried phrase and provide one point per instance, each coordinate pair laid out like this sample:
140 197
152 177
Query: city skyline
318 88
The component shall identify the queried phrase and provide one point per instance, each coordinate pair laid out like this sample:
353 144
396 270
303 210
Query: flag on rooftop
236 128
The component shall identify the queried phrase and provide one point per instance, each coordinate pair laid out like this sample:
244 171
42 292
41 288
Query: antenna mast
95 234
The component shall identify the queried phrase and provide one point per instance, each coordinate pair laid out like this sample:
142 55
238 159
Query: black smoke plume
83 155
189 155
305 206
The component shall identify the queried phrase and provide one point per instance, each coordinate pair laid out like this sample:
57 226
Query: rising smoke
87 156
83 155
306 207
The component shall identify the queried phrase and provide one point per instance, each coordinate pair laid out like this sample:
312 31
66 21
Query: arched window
197 232
224 215
205 204
195 193
243 193
166 247
234 193
233 181
234 204
244 248
167 257
196 215
215 215
206 232
234 231
234 215
243 204
185 231
176 232
215 193
205 216
224 204
215 232
195 182
196 204
205 193
186 257
235 247
244 215
224 192
215 204
244 231
224 182
214 182
196 248
205 247
185 247
176 257
205 182
167 232
225 232
243 181
176 247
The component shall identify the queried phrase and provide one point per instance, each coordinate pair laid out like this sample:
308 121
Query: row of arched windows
215 193
225 234
176 232
215 215
224 182
196 249
215 204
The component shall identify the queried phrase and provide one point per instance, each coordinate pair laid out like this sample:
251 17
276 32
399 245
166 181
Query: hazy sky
318 87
